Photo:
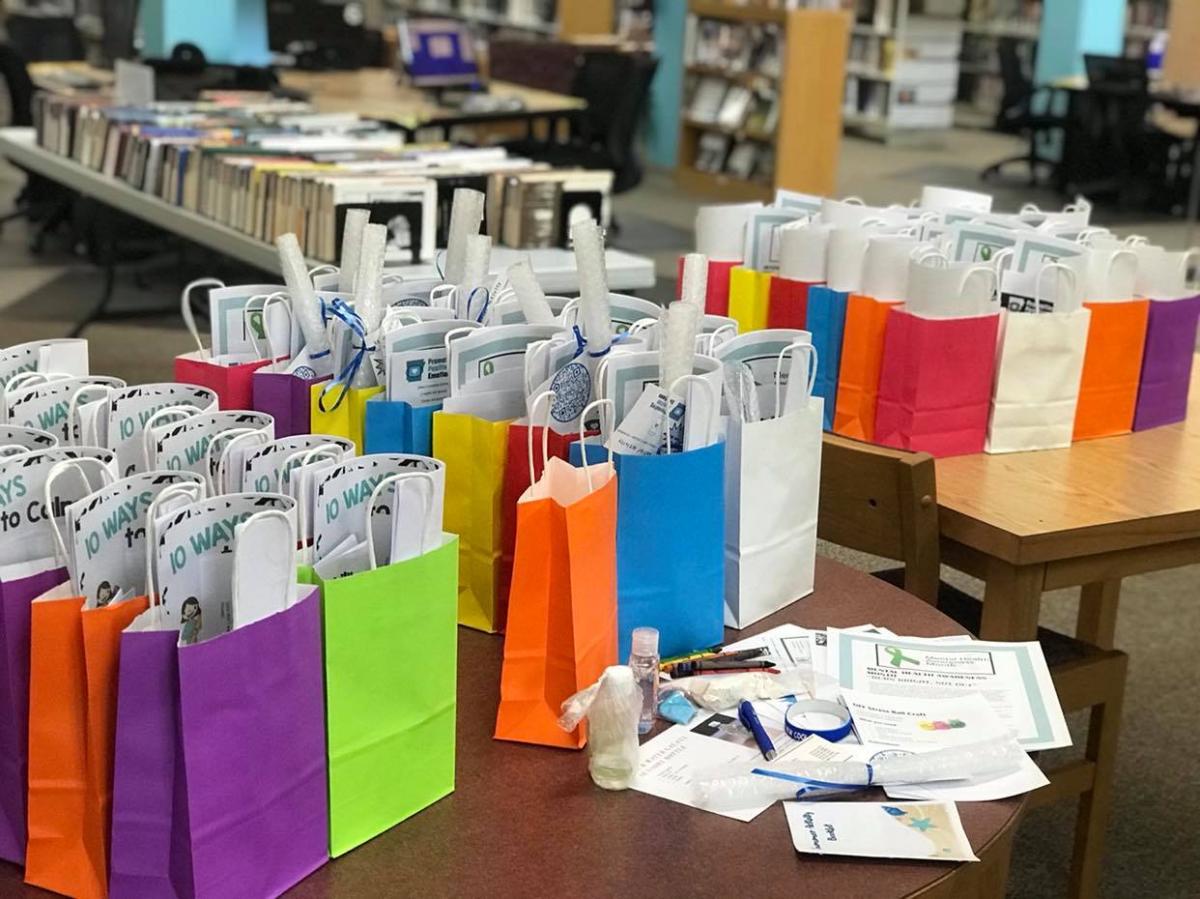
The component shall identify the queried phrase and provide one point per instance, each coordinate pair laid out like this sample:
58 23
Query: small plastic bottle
643 660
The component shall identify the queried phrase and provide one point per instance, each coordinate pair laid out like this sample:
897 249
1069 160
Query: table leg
1012 598
1097 620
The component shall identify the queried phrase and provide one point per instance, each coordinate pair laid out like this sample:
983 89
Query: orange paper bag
72 717
562 611
862 361
1112 369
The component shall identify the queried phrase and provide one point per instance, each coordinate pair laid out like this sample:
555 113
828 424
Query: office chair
44 38
1018 113
616 86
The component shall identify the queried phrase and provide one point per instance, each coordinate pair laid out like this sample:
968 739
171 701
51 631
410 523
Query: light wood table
1086 516
375 93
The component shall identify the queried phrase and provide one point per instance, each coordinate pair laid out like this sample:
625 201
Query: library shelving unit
564 18
986 23
902 71
762 100
1143 20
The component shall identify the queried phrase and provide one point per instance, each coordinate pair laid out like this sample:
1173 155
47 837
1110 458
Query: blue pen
749 719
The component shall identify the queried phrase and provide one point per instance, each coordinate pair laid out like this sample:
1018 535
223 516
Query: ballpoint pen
718 671
749 719
718 664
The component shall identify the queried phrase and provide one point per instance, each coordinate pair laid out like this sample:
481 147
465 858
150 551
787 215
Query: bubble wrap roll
529 293
594 308
678 353
466 216
369 280
356 220
305 305
695 280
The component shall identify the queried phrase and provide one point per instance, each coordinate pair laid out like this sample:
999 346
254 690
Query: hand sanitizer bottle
643 660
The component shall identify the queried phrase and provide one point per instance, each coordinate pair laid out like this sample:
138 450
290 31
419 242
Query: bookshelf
564 18
1143 20
985 24
762 100
903 67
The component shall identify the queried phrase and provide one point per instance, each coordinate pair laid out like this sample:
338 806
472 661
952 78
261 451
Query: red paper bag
788 306
716 297
935 385
232 383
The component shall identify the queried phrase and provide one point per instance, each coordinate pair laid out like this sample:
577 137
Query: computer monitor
438 53
1116 73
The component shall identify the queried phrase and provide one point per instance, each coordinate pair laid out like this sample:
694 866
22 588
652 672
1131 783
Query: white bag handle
853 201
570 313
1051 266
325 268
672 403
1193 253
986 271
812 373
26 379
549 396
189 317
1137 240
272 353
322 451
445 296
100 382
928 254
164 414
1123 253
1088 235
533 352
194 491
451 335
58 468
217 475
720 335
595 404
427 479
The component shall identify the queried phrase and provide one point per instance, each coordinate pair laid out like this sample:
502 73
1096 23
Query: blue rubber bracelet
794 726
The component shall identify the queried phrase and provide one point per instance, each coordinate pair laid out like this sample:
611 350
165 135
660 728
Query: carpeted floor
1152 850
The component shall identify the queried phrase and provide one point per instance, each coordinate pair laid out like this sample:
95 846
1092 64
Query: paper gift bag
1112 369
1167 362
286 397
19 585
392 427
516 482
391 641
220 777
749 294
474 450
232 383
935 385
1038 367
826 321
562 613
72 718
340 412
772 481
670 546
716 294
858 374
788 303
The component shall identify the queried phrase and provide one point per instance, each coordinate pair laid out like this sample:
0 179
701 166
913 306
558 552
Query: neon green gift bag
391 647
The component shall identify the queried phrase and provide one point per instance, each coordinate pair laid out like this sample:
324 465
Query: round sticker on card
304 373
572 388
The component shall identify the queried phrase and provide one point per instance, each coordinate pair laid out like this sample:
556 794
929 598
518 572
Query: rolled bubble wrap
530 296
678 354
305 305
466 216
352 231
594 309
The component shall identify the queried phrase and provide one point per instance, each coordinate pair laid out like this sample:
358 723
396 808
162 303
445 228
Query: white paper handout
930 831
1012 677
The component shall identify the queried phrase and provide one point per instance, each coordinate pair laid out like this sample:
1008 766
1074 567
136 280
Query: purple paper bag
252 708
286 397
15 596
1167 363
147 821
219 784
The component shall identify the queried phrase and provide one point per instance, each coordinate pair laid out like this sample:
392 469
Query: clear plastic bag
724 691
612 706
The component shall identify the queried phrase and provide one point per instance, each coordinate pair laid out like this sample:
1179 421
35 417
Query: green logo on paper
898 658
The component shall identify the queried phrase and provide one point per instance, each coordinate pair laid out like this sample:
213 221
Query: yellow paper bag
749 295
474 450
340 412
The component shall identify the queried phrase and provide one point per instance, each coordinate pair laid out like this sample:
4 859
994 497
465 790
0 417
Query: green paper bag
391 646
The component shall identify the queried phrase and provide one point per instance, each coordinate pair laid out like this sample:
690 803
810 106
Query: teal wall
1071 28
666 92
228 31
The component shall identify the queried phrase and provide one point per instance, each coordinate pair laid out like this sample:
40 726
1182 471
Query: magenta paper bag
231 767
935 384
16 593
1167 363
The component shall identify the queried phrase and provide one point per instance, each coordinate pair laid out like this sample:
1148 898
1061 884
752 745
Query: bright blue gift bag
399 427
826 322
670 546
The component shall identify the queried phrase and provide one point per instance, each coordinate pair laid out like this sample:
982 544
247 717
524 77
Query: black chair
44 38
616 86
1024 110
41 201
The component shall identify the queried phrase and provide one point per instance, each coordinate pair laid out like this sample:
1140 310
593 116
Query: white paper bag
1038 367
772 481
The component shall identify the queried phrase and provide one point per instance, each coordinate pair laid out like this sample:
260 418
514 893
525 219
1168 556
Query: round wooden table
527 821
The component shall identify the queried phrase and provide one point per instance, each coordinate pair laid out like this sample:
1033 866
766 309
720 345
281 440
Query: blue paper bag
399 427
827 322
670 546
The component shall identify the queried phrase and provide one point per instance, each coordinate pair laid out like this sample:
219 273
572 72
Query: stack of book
266 166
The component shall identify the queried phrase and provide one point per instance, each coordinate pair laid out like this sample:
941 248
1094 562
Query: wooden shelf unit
807 136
